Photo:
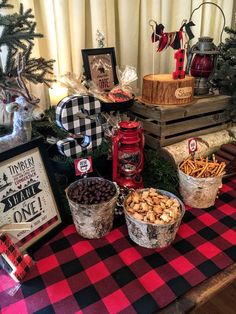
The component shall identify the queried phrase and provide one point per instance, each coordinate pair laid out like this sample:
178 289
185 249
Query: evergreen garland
18 34
225 75
159 173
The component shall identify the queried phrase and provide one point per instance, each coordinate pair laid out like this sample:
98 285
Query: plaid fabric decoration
71 148
37 231
79 115
114 275
14 262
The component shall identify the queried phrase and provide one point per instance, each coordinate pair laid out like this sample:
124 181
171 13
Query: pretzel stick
222 170
197 170
185 161
215 169
202 167
221 167
187 169
191 164
202 170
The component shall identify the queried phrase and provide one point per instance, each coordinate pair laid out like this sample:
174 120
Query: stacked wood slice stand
162 89
168 119
227 154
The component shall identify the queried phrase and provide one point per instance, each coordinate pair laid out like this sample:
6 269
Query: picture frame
28 193
100 67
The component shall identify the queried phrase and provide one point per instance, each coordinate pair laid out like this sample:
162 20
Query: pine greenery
225 75
159 173
18 34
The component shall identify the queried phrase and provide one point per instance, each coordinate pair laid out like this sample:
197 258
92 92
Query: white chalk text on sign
25 193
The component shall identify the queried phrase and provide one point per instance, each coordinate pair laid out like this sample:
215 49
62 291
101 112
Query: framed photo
100 67
28 194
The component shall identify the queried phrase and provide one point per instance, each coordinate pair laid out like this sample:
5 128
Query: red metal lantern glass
127 154
202 65
202 59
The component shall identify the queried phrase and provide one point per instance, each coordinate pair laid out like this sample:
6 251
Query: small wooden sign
184 92
192 145
83 166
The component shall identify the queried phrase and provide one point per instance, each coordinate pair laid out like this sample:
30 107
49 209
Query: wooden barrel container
162 89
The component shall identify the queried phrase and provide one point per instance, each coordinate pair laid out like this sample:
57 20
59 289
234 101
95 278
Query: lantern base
135 182
201 86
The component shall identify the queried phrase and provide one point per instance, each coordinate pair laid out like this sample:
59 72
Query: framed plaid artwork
100 67
28 194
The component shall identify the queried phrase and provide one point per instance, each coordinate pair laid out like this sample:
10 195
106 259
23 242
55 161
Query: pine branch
159 173
229 30
15 38
18 34
36 70
4 4
18 27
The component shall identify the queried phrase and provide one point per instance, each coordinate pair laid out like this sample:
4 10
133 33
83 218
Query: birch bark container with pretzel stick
199 181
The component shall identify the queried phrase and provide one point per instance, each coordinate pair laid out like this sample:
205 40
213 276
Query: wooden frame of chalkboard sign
28 193
100 67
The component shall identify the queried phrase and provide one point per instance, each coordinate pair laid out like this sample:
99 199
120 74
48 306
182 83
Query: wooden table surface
200 294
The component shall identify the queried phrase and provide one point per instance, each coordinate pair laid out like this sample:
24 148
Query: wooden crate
165 125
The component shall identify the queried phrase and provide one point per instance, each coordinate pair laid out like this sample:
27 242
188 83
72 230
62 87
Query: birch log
206 145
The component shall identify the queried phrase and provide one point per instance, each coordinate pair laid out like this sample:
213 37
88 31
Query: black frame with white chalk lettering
28 192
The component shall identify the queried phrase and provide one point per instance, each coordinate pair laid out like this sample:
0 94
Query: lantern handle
209 2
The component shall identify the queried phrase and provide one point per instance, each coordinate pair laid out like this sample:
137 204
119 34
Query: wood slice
162 89
221 159
229 148
225 155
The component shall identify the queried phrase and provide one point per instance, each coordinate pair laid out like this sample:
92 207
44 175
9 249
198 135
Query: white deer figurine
24 113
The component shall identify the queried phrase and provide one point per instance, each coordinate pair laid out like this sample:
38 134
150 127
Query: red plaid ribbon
114 275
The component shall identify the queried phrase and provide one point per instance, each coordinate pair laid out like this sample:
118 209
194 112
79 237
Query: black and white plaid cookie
79 115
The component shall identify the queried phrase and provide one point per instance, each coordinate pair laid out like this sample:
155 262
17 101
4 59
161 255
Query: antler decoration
20 80
23 91
100 38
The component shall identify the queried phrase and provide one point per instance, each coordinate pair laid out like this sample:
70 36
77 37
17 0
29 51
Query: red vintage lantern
127 154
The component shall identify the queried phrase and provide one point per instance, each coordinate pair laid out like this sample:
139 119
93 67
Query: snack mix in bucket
92 202
153 217
200 180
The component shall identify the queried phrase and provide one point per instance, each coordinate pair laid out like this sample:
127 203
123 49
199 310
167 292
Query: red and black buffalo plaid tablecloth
114 275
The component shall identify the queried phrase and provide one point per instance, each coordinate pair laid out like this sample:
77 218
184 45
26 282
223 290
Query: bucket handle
209 2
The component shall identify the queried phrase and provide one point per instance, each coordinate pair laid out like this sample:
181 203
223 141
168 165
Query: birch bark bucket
150 235
199 192
92 221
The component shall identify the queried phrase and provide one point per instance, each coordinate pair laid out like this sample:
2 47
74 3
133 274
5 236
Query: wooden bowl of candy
153 217
117 106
